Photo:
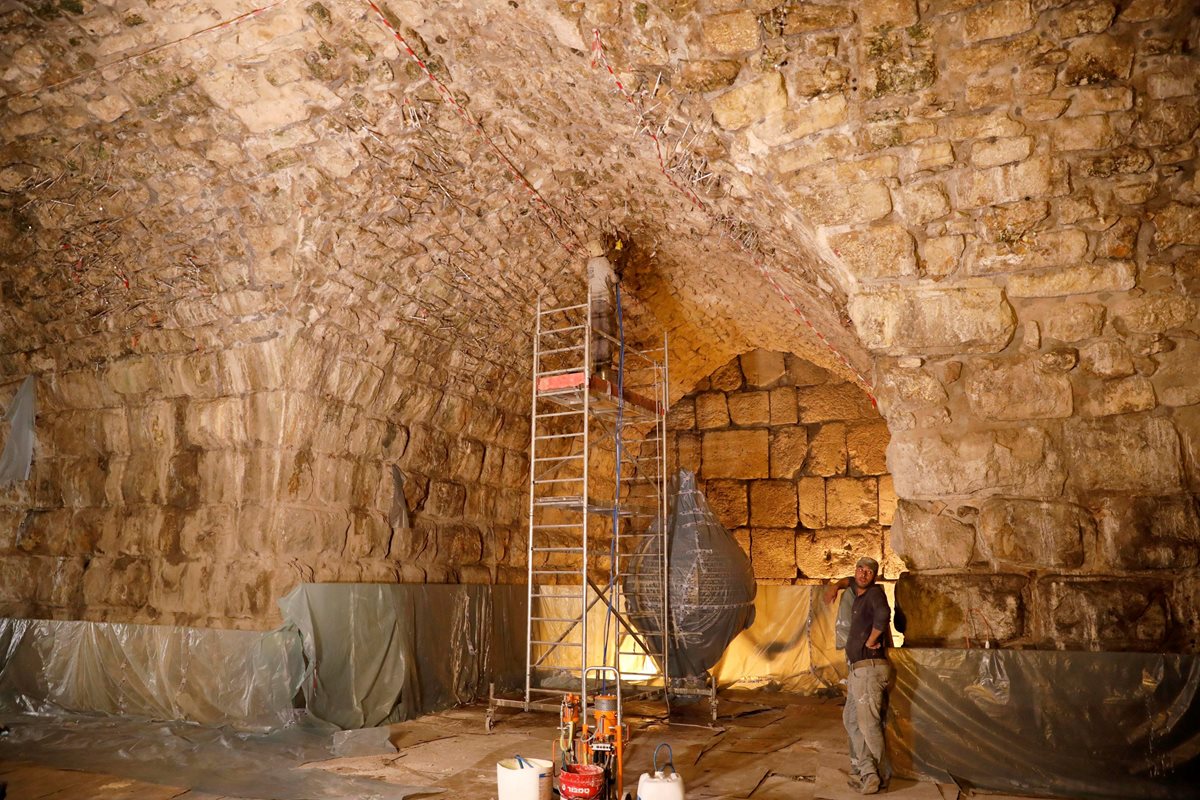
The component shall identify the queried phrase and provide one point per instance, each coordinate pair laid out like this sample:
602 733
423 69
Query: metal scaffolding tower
598 505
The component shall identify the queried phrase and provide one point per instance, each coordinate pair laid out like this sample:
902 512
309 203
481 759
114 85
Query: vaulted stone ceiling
257 253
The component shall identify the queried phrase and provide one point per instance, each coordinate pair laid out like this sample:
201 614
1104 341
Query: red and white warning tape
599 57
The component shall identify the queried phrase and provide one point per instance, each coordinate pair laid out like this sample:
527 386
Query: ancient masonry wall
791 460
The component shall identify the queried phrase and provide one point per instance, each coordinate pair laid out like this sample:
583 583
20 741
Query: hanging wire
616 507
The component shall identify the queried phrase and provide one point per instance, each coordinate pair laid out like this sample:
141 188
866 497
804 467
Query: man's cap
867 561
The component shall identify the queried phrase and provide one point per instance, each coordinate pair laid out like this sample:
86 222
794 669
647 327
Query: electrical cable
616 519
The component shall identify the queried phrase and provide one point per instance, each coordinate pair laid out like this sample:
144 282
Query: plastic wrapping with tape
1067 724
243 679
18 448
712 587
381 653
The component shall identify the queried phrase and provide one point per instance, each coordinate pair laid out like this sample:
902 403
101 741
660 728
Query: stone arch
792 460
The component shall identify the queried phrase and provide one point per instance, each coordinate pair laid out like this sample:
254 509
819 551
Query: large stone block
926 540
762 368
735 454
1107 359
947 610
727 378
827 451
773 553
811 497
783 406
773 504
1157 313
997 20
808 17
789 448
1017 390
797 122
750 101
712 411
831 553
1029 534
1074 322
1175 224
690 454
988 153
875 14
1160 532
1122 396
1141 454
881 251
1017 461
966 319
866 445
804 373
1036 250
823 204
887 500
731 33
909 390
851 502
1034 178
727 499
750 408
1098 59
1175 380
833 402
1110 276
1101 614
922 203
682 416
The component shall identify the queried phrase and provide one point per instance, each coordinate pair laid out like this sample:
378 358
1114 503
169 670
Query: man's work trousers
862 716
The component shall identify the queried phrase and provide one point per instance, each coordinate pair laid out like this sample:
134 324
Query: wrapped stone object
711 593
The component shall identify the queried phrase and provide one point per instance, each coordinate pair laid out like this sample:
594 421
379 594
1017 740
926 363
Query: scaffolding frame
586 416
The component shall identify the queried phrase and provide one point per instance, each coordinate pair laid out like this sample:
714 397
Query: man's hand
831 593
832 589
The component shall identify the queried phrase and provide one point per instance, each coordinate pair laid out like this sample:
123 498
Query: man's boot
870 784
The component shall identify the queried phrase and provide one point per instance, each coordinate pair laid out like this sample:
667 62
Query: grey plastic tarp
216 760
711 584
18 448
244 679
389 652
203 708
1049 723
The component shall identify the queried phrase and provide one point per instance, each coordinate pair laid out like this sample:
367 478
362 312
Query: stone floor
765 747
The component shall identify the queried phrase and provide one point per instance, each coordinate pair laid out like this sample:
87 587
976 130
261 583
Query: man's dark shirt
870 610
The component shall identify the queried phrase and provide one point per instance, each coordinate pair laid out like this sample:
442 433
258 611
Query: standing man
867 643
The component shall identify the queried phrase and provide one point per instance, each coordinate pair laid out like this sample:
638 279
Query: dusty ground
765 747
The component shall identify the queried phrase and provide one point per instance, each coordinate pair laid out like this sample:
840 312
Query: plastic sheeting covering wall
1101 725
17 456
710 598
790 646
244 679
389 652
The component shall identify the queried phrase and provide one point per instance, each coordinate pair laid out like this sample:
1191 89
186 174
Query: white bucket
660 787
517 782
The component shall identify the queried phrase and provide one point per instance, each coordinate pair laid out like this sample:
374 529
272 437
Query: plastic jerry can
660 786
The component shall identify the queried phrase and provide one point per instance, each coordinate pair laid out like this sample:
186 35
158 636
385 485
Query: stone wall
791 460
197 488
257 263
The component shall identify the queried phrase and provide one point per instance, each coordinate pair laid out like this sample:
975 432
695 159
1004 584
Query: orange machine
591 757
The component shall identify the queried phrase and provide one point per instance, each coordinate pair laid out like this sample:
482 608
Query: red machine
591 757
